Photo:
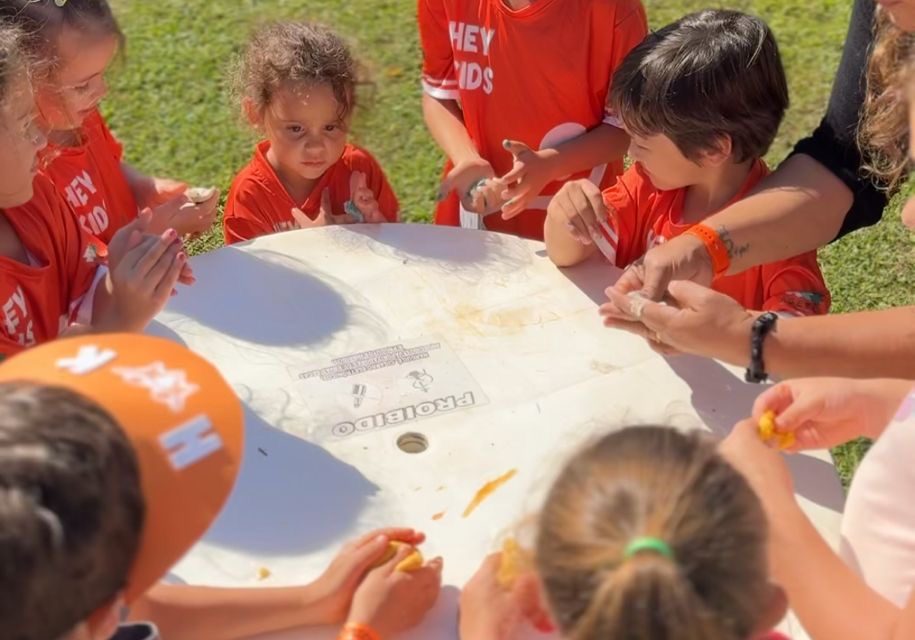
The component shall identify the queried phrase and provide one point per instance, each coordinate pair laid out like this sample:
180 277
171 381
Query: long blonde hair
883 131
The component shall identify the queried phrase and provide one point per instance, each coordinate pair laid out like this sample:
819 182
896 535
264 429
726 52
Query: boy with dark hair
702 100
117 452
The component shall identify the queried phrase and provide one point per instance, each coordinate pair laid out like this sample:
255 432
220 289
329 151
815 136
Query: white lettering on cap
88 359
191 442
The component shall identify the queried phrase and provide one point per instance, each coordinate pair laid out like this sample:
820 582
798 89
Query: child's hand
391 601
333 592
826 412
118 247
364 199
156 191
324 218
183 215
579 205
532 171
142 279
476 185
487 611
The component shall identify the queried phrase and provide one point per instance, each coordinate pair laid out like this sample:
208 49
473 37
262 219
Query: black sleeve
834 143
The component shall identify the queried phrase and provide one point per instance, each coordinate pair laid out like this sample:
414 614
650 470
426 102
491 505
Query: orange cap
184 421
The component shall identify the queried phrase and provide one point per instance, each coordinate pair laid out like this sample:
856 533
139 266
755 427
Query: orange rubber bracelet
356 631
721 261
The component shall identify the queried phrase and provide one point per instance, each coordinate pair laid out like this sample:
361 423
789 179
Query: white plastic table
355 347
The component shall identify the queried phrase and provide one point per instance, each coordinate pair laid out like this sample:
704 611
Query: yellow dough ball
411 563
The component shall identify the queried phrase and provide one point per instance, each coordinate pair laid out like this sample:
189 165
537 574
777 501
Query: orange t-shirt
89 176
40 299
258 203
539 75
642 216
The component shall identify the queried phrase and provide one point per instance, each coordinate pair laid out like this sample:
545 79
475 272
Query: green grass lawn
169 105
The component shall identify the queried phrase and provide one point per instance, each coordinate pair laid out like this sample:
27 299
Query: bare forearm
603 144
802 563
190 613
799 207
445 122
867 344
561 247
140 183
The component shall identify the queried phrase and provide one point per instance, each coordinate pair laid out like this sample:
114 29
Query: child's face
76 85
662 162
20 141
305 130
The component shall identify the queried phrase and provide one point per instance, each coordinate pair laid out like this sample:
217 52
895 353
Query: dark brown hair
304 53
882 132
710 74
71 511
655 482
43 20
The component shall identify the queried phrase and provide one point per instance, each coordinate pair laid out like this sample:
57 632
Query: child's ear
772 611
719 152
254 115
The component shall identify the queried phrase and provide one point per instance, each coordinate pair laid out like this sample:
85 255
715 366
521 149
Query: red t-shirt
258 203
642 216
89 176
539 75
40 299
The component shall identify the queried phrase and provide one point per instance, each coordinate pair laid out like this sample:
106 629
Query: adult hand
827 412
694 319
682 258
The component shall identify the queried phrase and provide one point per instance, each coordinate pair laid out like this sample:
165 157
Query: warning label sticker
387 387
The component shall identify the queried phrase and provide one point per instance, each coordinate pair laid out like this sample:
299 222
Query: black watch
762 326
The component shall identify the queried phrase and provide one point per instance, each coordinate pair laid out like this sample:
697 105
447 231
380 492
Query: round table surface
354 347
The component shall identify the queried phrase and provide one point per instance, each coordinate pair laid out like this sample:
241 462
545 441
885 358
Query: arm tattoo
734 250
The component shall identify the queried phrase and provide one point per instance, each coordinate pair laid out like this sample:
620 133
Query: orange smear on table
438 516
488 489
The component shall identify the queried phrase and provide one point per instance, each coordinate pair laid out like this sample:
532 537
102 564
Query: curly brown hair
13 59
298 53
882 132
43 20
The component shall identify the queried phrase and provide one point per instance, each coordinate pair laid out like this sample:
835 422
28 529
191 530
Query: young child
514 94
77 40
702 100
646 533
50 278
108 477
297 83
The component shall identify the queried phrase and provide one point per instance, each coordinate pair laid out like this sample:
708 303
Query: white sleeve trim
83 306
440 93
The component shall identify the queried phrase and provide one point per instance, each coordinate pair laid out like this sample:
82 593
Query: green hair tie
655 545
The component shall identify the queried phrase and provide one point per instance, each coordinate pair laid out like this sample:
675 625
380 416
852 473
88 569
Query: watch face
140 631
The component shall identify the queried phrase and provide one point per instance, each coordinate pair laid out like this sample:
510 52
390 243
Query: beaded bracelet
763 325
